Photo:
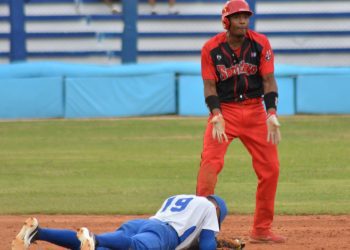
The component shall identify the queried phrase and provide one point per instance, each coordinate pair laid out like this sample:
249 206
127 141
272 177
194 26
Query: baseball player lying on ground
183 221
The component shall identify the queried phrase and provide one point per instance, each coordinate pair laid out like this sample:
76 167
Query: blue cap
222 205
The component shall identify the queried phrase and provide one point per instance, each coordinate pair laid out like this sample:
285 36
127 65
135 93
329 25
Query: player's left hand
273 128
218 131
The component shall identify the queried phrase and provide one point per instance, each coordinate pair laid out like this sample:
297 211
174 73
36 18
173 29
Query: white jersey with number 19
188 215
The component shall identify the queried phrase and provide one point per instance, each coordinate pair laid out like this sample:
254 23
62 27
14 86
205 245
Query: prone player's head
235 16
221 208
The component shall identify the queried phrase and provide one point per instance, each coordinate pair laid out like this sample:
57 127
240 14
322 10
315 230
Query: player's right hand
273 128
218 131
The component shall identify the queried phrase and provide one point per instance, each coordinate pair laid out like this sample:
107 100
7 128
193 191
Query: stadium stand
301 32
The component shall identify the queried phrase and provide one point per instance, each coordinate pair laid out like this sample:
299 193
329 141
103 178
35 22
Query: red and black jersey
237 73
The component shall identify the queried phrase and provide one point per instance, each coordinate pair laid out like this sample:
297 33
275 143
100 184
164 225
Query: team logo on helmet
219 57
225 10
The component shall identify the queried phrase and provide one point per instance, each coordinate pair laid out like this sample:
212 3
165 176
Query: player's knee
273 172
212 166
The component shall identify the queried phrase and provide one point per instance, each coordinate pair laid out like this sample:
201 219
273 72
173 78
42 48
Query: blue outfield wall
192 103
31 98
120 96
61 90
331 95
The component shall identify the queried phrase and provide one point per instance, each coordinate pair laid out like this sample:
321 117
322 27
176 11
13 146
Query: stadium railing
200 34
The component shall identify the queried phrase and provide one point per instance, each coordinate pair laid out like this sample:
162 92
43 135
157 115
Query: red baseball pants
246 121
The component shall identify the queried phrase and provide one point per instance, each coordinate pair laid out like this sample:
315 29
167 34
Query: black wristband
212 102
270 100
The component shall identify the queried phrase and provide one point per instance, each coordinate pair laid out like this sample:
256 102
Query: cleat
87 241
25 237
266 238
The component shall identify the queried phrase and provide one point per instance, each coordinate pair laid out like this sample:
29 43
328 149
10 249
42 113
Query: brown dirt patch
303 232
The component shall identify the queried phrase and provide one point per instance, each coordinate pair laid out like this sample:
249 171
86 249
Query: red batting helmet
232 7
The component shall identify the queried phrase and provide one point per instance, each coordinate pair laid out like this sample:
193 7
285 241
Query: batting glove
218 131
273 128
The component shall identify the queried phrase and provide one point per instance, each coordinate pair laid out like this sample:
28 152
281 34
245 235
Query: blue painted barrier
31 98
48 90
323 94
120 96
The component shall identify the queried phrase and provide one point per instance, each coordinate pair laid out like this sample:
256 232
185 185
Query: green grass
129 166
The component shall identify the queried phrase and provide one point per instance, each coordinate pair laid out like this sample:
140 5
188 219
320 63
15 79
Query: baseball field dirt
317 232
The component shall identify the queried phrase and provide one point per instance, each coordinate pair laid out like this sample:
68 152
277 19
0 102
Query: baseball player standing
181 222
238 74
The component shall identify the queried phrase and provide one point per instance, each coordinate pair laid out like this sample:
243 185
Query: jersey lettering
168 202
178 206
237 69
